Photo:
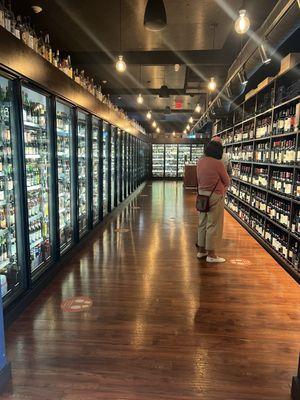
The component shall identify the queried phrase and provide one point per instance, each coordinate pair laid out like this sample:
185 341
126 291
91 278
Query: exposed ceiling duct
155 18
281 23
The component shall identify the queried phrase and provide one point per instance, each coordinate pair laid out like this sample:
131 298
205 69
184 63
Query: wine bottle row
23 29
278 211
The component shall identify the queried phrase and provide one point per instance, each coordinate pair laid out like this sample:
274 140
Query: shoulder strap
215 187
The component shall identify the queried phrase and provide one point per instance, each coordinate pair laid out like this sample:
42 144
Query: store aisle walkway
162 325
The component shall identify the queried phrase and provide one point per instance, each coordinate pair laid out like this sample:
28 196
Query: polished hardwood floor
162 325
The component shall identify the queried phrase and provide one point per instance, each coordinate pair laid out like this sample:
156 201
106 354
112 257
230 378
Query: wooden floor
162 325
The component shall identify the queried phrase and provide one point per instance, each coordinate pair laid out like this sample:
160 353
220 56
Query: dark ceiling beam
127 92
203 57
131 110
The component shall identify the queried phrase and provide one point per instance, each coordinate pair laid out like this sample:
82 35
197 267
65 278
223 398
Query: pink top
209 170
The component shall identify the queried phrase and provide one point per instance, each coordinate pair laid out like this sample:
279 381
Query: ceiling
199 36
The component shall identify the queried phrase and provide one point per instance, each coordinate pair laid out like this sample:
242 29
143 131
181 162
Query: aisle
162 324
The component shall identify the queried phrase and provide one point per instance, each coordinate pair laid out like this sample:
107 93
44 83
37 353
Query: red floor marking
76 304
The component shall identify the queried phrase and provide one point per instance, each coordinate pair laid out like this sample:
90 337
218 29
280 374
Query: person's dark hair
214 149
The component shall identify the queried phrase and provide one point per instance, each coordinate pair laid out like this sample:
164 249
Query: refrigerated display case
9 263
112 167
105 158
184 156
171 160
38 170
64 173
118 166
122 169
158 160
197 152
96 136
82 158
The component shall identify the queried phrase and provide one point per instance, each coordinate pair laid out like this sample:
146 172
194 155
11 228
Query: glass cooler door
95 169
64 173
82 199
37 159
9 267
105 168
197 152
112 167
118 166
171 161
158 151
184 155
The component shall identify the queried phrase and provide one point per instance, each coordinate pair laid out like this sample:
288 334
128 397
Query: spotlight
149 115
242 24
120 64
243 77
36 9
263 52
212 84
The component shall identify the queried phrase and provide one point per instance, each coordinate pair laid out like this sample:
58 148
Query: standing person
212 180
225 158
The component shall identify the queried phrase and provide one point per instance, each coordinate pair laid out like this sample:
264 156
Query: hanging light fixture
191 120
263 52
157 130
243 77
242 24
212 85
198 108
120 63
155 18
154 124
149 115
174 134
140 99
188 127
184 131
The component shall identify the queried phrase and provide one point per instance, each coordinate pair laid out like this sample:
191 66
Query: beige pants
210 228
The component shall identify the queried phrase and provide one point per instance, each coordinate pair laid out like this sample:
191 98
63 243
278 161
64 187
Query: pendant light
264 54
174 134
191 120
188 127
184 131
154 124
120 63
157 130
155 18
242 24
149 115
198 108
140 99
212 84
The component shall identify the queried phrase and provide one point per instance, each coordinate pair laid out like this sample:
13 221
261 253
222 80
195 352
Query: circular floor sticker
240 261
76 304
121 230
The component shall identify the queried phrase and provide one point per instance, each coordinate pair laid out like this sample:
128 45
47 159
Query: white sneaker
201 255
215 259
